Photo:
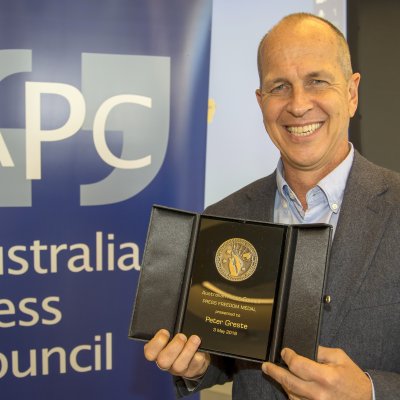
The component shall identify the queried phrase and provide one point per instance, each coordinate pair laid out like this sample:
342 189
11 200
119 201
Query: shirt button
284 204
334 206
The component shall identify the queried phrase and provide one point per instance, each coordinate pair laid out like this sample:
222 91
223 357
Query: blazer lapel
261 206
360 227
260 200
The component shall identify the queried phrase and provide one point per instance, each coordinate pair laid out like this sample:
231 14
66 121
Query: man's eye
278 88
318 82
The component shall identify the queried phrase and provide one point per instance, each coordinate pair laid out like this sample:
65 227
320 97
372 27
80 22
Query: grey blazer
363 281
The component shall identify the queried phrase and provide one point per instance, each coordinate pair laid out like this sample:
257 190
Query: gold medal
236 259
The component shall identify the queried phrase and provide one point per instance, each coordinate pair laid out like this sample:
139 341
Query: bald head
305 22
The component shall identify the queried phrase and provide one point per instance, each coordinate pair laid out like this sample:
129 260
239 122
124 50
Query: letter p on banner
34 134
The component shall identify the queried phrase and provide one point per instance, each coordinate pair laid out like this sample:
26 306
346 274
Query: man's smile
304 130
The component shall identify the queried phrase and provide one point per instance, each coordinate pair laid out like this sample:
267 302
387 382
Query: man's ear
353 93
259 96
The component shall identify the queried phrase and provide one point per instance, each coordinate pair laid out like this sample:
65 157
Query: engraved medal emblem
236 259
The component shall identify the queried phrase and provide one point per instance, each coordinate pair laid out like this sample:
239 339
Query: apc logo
125 93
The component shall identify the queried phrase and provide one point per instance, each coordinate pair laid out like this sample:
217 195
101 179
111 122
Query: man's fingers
303 367
190 363
198 366
186 357
291 383
338 377
155 345
170 353
328 355
178 356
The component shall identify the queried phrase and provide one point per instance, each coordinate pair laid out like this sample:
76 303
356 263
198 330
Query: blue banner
103 110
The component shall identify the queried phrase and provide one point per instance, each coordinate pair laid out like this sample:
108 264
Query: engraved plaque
233 284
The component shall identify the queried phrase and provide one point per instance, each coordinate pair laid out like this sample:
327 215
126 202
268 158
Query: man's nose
299 102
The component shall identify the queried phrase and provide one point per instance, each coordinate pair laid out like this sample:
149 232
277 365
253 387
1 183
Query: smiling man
307 95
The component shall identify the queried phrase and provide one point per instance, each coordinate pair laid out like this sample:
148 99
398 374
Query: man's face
305 99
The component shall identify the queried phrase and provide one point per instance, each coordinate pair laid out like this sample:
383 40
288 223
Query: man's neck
301 181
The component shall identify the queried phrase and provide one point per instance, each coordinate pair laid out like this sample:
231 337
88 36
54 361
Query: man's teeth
303 130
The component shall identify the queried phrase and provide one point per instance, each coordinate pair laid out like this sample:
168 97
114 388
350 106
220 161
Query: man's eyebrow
310 75
274 81
318 74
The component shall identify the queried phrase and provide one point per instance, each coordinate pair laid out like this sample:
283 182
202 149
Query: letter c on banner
99 128
73 358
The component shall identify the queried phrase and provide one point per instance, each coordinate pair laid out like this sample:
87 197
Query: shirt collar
332 185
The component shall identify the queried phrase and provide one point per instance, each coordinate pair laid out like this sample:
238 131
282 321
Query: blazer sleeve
386 384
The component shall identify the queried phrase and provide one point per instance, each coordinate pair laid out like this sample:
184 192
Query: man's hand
178 356
334 376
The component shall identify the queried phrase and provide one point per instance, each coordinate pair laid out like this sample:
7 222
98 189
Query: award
233 286
236 284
